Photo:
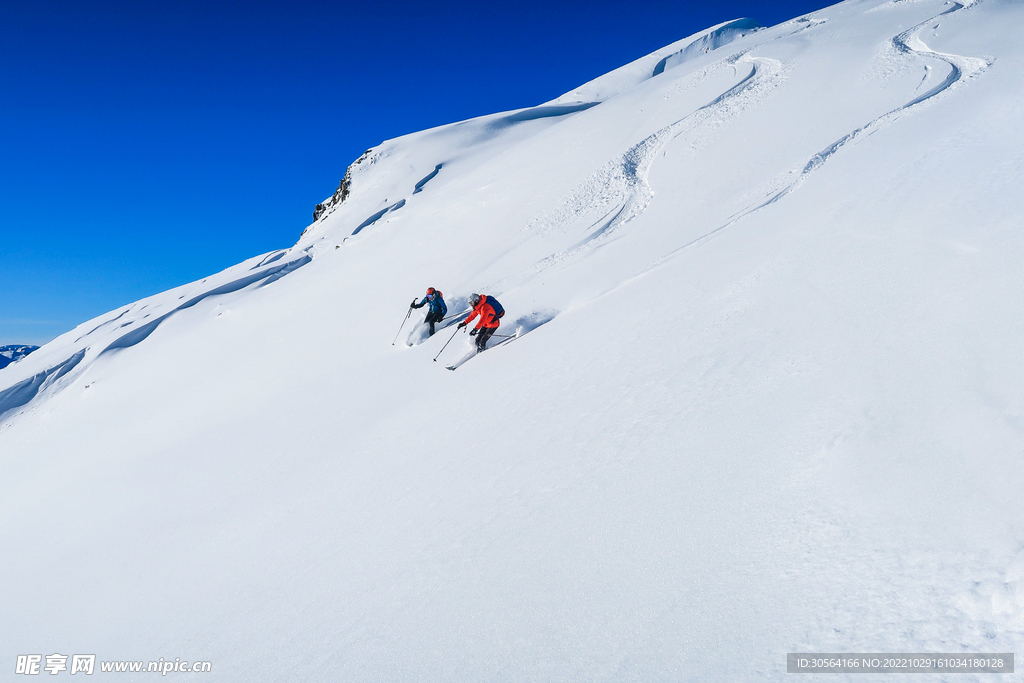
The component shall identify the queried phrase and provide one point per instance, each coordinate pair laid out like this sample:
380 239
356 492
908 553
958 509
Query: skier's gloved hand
461 325
473 331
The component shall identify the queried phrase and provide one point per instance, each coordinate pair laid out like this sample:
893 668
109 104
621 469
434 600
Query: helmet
474 299
430 290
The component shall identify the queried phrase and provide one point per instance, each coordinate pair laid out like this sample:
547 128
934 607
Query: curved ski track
622 182
962 69
620 189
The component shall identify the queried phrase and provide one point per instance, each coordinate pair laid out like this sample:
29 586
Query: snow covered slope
767 395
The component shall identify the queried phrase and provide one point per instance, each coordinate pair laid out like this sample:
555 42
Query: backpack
440 300
498 310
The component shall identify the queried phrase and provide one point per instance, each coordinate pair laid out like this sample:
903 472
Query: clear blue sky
148 144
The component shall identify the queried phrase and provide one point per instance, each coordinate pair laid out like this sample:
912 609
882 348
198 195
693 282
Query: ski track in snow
620 189
908 44
622 184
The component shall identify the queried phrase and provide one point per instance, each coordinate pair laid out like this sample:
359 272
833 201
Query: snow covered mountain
14 352
767 394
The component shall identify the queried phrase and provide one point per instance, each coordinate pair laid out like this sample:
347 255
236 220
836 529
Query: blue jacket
437 304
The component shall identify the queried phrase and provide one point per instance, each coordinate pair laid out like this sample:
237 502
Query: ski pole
447 343
407 314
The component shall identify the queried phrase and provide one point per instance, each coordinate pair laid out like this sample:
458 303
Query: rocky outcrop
341 194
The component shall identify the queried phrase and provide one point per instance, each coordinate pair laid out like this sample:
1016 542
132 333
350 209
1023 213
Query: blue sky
146 145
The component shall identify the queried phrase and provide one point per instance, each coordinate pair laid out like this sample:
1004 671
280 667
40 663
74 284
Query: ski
458 363
508 338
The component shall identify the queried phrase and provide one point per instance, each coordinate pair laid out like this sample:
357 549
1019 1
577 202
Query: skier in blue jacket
438 309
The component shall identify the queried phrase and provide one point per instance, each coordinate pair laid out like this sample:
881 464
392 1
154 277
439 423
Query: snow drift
770 399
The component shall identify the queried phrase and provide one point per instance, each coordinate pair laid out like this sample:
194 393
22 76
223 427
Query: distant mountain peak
14 352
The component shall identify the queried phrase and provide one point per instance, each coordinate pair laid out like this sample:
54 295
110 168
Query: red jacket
486 313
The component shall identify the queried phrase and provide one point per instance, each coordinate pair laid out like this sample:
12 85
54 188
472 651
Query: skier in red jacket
482 306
